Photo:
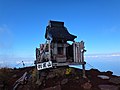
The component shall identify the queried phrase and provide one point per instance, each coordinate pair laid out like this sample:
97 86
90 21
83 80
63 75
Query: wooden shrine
57 51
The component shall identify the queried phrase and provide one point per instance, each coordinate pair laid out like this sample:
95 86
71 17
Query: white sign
44 65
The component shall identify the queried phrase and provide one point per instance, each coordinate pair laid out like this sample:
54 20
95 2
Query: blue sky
23 24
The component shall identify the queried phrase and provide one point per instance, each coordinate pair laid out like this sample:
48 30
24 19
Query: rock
50 75
14 76
43 74
1 85
59 72
103 77
19 87
108 87
94 72
23 87
86 86
109 72
115 80
50 88
58 87
38 82
77 78
64 81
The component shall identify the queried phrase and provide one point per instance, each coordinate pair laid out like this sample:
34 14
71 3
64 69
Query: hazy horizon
103 62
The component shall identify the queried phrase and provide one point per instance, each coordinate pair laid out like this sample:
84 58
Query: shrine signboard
44 65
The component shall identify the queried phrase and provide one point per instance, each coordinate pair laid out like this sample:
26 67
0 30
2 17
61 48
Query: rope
21 63
91 65
18 64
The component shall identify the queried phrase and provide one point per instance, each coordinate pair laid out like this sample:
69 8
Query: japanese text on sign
44 65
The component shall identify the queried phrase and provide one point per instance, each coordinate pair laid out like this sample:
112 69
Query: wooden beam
49 50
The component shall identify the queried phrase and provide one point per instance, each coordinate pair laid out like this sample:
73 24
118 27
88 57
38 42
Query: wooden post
74 51
79 52
49 50
82 58
83 67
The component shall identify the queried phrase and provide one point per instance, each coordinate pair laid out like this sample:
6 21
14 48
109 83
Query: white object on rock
103 77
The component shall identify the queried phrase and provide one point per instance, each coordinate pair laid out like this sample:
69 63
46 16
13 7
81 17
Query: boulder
108 87
86 86
43 74
14 76
50 75
1 85
58 87
38 82
109 72
94 72
64 81
115 80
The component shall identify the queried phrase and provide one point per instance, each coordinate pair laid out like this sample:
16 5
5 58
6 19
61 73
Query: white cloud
14 61
103 55
26 62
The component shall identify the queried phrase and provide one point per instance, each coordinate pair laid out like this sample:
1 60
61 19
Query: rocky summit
60 78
